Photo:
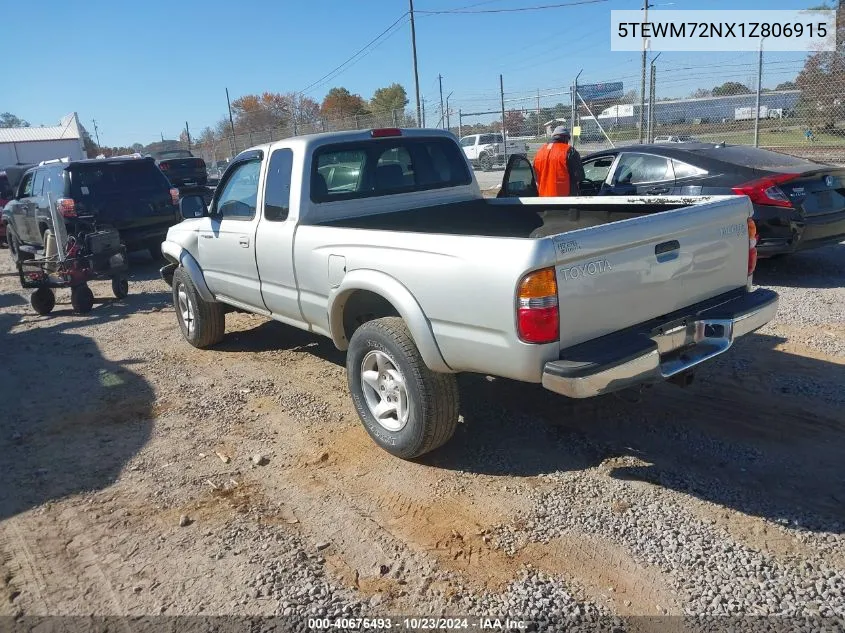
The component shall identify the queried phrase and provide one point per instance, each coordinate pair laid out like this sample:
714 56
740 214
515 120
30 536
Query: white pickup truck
382 241
486 151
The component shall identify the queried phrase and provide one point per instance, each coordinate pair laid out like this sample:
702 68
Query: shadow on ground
71 420
817 268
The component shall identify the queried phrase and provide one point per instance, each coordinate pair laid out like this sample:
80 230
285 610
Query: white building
34 144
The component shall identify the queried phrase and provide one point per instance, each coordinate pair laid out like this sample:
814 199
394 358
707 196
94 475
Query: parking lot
142 475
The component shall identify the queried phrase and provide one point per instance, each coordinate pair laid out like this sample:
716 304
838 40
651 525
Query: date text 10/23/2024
418 624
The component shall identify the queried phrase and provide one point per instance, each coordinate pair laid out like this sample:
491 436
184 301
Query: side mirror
191 207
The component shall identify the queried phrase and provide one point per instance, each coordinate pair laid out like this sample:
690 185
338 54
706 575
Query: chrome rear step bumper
657 351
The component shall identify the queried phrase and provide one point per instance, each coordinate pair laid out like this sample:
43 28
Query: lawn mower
72 260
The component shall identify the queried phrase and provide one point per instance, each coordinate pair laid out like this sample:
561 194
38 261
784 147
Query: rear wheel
82 299
15 251
43 301
203 324
485 162
406 408
120 287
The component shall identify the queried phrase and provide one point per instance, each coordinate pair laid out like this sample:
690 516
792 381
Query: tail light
174 195
67 207
386 131
537 312
766 190
163 166
752 246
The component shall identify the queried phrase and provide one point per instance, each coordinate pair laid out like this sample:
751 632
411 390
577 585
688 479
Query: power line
538 8
331 74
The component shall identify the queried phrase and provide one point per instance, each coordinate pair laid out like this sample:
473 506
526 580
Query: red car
5 195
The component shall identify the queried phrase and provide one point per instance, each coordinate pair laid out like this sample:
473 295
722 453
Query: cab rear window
384 167
92 179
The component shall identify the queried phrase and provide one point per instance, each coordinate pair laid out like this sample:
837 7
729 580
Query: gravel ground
149 477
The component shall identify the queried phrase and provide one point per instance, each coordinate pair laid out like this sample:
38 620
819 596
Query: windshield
176 153
95 179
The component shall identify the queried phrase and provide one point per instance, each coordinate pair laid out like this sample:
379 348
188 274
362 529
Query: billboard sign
599 92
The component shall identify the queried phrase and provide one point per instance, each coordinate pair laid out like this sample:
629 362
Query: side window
684 170
486 139
277 189
469 141
596 170
641 168
239 197
38 183
26 185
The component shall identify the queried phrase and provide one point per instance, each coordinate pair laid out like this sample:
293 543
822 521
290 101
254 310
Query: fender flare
176 253
400 298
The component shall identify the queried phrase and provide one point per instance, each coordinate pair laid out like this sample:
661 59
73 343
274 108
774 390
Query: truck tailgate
620 274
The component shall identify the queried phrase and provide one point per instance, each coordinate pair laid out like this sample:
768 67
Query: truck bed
500 218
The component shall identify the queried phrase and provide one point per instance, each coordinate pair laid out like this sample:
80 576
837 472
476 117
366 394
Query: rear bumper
660 349
784 231
198 179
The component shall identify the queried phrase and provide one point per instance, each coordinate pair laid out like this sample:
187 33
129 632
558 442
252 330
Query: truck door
227 236
274 239
23 212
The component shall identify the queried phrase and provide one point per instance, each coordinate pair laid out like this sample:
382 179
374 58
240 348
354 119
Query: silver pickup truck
382 241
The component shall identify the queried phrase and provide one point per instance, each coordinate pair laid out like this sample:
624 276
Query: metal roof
67 129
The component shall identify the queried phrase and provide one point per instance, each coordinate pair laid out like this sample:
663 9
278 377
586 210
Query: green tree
388 99
730 88
822 81
787 85
7 119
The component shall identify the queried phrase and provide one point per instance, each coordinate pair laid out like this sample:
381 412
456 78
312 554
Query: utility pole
651 99
504 131
420 117
162 136
460 123
448 123
642 82
188 134
442 112
96 131
574 121
231 121
423 112
759 89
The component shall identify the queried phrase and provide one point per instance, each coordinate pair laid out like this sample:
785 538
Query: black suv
128 194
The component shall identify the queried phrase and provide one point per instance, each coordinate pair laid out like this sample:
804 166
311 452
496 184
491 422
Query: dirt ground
114 430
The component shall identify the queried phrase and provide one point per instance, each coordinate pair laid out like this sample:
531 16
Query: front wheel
485 162
406 408
203 324
81 299
43 301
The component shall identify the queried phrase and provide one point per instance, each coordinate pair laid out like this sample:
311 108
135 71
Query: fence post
759 90
651 91
538 113
504 131
295 133
460 124
394 118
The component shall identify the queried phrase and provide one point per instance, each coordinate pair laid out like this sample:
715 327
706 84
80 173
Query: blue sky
142 69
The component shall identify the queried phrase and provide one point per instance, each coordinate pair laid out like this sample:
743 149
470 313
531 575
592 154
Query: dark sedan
798 203
182 168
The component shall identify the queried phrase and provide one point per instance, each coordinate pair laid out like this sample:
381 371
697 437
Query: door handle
654 190
207 236
243 241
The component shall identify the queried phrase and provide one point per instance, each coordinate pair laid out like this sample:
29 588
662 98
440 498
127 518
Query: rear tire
485 162
203 324
120 287
82 299
43 301
406 408
18 256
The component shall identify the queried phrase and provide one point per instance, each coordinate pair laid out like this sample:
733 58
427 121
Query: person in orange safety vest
558 167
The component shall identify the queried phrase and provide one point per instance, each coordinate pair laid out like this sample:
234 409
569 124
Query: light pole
448 124
416 74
